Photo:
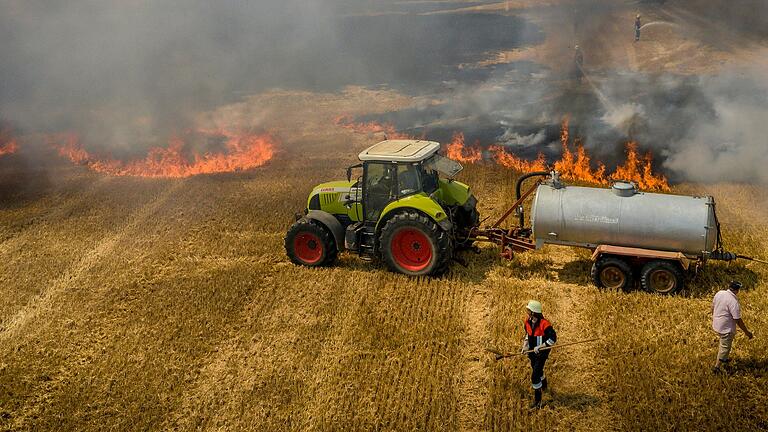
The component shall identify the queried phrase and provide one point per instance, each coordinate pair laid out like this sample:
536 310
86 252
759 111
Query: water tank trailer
635 236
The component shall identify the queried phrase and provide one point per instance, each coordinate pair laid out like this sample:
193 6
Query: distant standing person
539 334
726 315
637 27
578 62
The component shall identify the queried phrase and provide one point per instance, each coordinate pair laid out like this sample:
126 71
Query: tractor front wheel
414 244
309 243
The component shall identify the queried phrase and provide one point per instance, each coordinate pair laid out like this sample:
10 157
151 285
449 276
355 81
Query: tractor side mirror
349 171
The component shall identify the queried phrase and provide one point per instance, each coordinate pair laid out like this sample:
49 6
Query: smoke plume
127 75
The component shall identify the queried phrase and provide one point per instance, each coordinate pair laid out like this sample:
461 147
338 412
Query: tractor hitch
515 239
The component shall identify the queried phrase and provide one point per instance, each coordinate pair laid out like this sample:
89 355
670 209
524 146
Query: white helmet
534 306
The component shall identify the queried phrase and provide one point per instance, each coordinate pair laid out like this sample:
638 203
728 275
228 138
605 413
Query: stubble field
151 304
135 304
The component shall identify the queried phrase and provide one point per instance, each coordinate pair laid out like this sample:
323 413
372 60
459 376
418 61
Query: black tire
662 277
413 244
612 273
310 244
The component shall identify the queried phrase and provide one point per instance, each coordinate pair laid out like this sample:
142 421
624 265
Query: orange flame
8 147
8 144
634 168
578 167
639 170
387 129
243 152
509 160
458 152
574 164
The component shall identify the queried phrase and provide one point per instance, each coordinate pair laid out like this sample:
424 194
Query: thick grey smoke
127 72
705 128
732 144
702 128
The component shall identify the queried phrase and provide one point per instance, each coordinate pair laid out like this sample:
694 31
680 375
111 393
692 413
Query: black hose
719 241
519 185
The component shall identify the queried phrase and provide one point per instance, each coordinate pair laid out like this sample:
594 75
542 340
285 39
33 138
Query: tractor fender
330 222
421 203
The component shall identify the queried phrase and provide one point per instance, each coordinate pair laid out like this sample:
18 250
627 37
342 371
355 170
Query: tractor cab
396 169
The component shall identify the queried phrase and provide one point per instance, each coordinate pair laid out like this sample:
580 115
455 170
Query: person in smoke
539 334
638 25
578 63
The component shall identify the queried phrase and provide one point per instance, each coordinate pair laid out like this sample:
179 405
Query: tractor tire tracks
45 300
473 384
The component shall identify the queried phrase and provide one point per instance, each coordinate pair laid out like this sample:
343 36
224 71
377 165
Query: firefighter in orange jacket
539 334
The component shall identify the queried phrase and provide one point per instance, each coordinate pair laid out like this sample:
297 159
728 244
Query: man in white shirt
726 315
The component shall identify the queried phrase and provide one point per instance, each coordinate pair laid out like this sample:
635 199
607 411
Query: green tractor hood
452 192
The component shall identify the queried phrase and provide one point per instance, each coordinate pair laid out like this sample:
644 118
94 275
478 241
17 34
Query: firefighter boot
547 389
536 399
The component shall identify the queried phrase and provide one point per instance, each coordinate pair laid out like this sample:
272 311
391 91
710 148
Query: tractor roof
400 151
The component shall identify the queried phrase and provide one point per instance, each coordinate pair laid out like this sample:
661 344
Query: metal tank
622 216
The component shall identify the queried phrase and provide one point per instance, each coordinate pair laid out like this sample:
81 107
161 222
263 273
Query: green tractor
405 209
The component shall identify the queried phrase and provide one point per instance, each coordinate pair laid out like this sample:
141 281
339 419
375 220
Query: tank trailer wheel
612 273
309 243
413 244
662 277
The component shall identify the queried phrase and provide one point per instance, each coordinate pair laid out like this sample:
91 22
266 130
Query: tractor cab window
441 164
378 188
430 179
408 179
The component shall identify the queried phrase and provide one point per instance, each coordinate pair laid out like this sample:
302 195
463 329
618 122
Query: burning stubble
130 78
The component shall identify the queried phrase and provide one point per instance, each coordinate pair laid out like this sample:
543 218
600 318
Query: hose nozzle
730 256
721 255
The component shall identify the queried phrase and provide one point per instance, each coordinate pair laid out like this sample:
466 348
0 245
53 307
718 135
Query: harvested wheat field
134 303
143 275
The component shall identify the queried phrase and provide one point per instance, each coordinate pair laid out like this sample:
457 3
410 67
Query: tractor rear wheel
612 273
414 244
662 277
309 243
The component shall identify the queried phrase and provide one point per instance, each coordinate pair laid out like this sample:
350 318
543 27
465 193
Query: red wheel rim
308 247
411 249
